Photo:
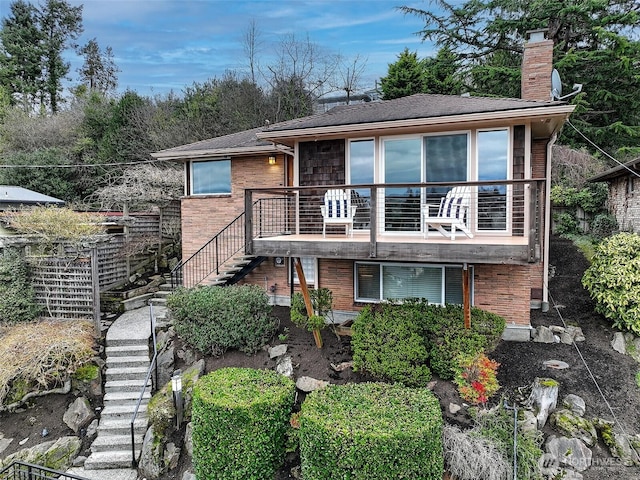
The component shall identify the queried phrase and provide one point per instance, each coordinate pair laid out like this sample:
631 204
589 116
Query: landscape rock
618 343
4 443
171 456
164 338
187 475
79 461
278 351
529 423
543 398
308 384
78 415
571 425
285 366
54 454
576 333
543 334
92 428
191 375
188 439
574 403
454 408
165 364
341 367
150 465
569 452
566 338
622 446
555 364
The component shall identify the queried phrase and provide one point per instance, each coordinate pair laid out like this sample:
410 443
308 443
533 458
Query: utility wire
593 144
84 165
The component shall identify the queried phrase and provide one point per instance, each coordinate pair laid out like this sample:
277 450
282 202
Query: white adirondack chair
337 210
453 212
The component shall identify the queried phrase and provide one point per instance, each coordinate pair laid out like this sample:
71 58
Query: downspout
547 227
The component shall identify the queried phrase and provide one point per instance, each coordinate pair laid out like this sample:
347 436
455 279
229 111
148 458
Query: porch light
272 160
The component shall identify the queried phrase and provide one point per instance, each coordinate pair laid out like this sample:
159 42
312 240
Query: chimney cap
537 35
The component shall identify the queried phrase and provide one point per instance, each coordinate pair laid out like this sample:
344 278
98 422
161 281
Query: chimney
537 65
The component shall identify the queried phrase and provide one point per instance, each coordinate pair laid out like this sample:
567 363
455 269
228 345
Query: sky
167 45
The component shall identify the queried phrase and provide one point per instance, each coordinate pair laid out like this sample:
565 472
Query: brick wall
625 206
204 216
504 290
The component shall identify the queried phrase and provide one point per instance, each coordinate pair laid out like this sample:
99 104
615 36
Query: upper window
493 164
211 177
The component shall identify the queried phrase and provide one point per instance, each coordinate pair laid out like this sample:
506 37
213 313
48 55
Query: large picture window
211 177
438 284
493 164
361 171
402 164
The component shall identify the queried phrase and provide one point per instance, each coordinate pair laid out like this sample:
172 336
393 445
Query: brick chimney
537 65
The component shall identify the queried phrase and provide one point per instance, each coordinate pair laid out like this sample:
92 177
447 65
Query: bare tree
252 44
349 74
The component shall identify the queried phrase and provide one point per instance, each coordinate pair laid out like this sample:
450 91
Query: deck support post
307 299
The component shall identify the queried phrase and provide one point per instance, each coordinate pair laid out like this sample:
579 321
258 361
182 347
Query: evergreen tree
404 77
441 73
21 54
98 72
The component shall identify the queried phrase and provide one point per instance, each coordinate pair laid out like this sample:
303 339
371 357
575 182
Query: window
402 164
309 269
436 283
211 177
446 160
493 164
631 184
361 171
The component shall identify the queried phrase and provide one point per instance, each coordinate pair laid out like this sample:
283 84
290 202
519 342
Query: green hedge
215 319
405 342
240 417
371 431
388 343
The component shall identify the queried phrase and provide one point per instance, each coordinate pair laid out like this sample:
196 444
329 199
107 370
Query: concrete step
125 386
122 426
158 301
131 373
114 443
166 287
109 460
126 398
128 362
162 293
128 350
125 342
118 412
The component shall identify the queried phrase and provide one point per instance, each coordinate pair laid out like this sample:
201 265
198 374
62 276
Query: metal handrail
19 470
153 365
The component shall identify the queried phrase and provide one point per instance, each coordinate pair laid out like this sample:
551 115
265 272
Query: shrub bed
371 431
405 342
215 319
240 417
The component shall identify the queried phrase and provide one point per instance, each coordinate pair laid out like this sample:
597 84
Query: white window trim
310 281
191 177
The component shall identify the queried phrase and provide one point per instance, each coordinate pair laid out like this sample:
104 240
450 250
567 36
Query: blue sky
163 45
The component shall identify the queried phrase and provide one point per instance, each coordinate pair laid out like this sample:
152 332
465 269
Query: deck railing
497 207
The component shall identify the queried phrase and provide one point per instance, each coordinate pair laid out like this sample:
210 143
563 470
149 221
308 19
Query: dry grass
42 355
472 457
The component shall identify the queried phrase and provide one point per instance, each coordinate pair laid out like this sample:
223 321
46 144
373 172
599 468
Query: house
624 194
17 198
253 200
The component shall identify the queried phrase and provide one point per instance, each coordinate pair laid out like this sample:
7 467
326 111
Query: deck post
466 297
373 215
307 299
248 222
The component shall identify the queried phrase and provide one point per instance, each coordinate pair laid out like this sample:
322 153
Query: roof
418 106
23 196
632 166
240 142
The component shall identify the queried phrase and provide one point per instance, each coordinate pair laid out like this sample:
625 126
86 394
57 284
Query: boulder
618 343
187 475
622 446
151 458
55 454
571 425
529 423
278 351
569 452
285 366
308 384
543 334
576 333
454 408
165 365
171 456
574 403
188 439
78 415
543 399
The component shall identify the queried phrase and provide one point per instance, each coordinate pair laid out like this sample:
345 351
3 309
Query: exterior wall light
176 386
272 160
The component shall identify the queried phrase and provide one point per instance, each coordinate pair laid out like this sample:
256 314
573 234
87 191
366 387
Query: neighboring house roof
632 166
235 143
13 197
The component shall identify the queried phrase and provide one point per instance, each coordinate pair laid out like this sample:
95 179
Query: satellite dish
556 85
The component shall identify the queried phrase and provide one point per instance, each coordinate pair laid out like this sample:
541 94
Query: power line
84 165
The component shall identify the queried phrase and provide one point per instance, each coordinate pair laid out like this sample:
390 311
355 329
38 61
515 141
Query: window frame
293 274
381 266
192 177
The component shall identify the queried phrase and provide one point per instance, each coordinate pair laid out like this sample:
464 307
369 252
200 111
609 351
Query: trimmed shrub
388 343
17 296
603 225
240 418
215 319
371 431
613 280
448 338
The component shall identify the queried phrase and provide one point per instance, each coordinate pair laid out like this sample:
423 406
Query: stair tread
128 348
106 423
125 395
122 410
117 370
109 460
127 358
113 440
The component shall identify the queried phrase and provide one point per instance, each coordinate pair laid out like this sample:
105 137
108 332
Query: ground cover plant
240 419
17 296
371 431
215 319
41 356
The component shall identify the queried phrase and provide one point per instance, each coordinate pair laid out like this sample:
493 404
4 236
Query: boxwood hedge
371 431
240 417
